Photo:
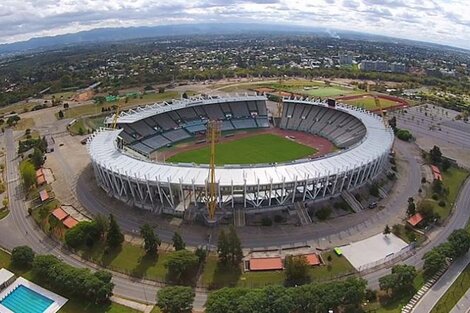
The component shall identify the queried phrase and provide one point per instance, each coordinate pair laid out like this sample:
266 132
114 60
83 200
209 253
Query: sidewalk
430 299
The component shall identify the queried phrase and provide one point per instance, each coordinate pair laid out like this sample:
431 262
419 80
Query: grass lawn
87 124
323 91
130 259
3 213
264 148
408 235
368 103
25 123
73 305
95 109
452 180
395 305
216 277
454 293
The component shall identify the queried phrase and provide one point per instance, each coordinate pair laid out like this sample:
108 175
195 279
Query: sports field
368 103
263 148
323 91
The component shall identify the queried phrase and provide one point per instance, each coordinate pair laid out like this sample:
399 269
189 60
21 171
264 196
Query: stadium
156 158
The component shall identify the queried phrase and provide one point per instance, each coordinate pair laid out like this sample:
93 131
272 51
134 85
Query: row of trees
456 246
86 233
95 287
339 296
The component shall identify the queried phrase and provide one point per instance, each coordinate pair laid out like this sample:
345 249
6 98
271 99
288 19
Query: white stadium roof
377 141
140 113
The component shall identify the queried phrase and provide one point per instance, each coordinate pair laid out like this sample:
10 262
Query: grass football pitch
368 103
264 148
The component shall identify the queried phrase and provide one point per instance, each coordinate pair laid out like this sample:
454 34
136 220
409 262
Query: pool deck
59 301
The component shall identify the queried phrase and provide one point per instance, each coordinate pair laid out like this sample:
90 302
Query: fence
389 260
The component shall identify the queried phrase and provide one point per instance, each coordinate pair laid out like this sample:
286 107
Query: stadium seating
166 128
339 127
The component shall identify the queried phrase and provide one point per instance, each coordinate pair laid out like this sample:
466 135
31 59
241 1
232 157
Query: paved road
342 230
429 300
18 228
458 219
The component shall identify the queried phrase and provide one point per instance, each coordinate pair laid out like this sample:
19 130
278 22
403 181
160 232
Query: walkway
463 306
430 299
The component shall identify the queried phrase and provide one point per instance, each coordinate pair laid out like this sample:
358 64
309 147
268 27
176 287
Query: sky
438 21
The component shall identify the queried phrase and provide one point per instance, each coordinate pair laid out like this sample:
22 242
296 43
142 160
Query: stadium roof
377 141
140 113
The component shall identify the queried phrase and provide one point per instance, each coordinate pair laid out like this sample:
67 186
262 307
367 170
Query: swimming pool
24 300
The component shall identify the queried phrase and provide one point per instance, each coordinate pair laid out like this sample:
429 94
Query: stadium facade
120 157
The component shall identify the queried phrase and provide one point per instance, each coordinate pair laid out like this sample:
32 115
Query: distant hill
118 34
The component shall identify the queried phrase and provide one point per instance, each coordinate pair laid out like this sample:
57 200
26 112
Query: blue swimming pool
24 300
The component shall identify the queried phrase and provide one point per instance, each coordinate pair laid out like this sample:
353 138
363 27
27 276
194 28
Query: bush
404 135
83 233
371 295
175 299
374 190
442 203
266 221
278 219
22 256
323 213
435 196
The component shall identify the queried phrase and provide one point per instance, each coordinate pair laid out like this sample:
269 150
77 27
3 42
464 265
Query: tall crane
213 135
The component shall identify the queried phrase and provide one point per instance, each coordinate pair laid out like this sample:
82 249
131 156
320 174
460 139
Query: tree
435 155
66 105
445 164
296 269
178 242
95 287
151 240
13 120
114 237
323 213
60 114
201 254
185 95
460 242
84 233
223 247
434 260
235 248
411 207
161 89
386 230
37 158
175 299
102 225
404 135
22 256
28 174
400 280
181 265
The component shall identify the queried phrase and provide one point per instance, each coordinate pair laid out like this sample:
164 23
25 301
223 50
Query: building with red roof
266 264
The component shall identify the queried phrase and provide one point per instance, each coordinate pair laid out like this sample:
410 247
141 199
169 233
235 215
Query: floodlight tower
213 135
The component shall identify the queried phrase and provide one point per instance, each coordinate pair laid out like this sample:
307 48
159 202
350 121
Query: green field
264 148
454 293
319 91
368 103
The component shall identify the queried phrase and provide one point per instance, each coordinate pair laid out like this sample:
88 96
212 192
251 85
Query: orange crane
213 135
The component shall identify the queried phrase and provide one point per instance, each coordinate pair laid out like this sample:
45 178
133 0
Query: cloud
441 21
